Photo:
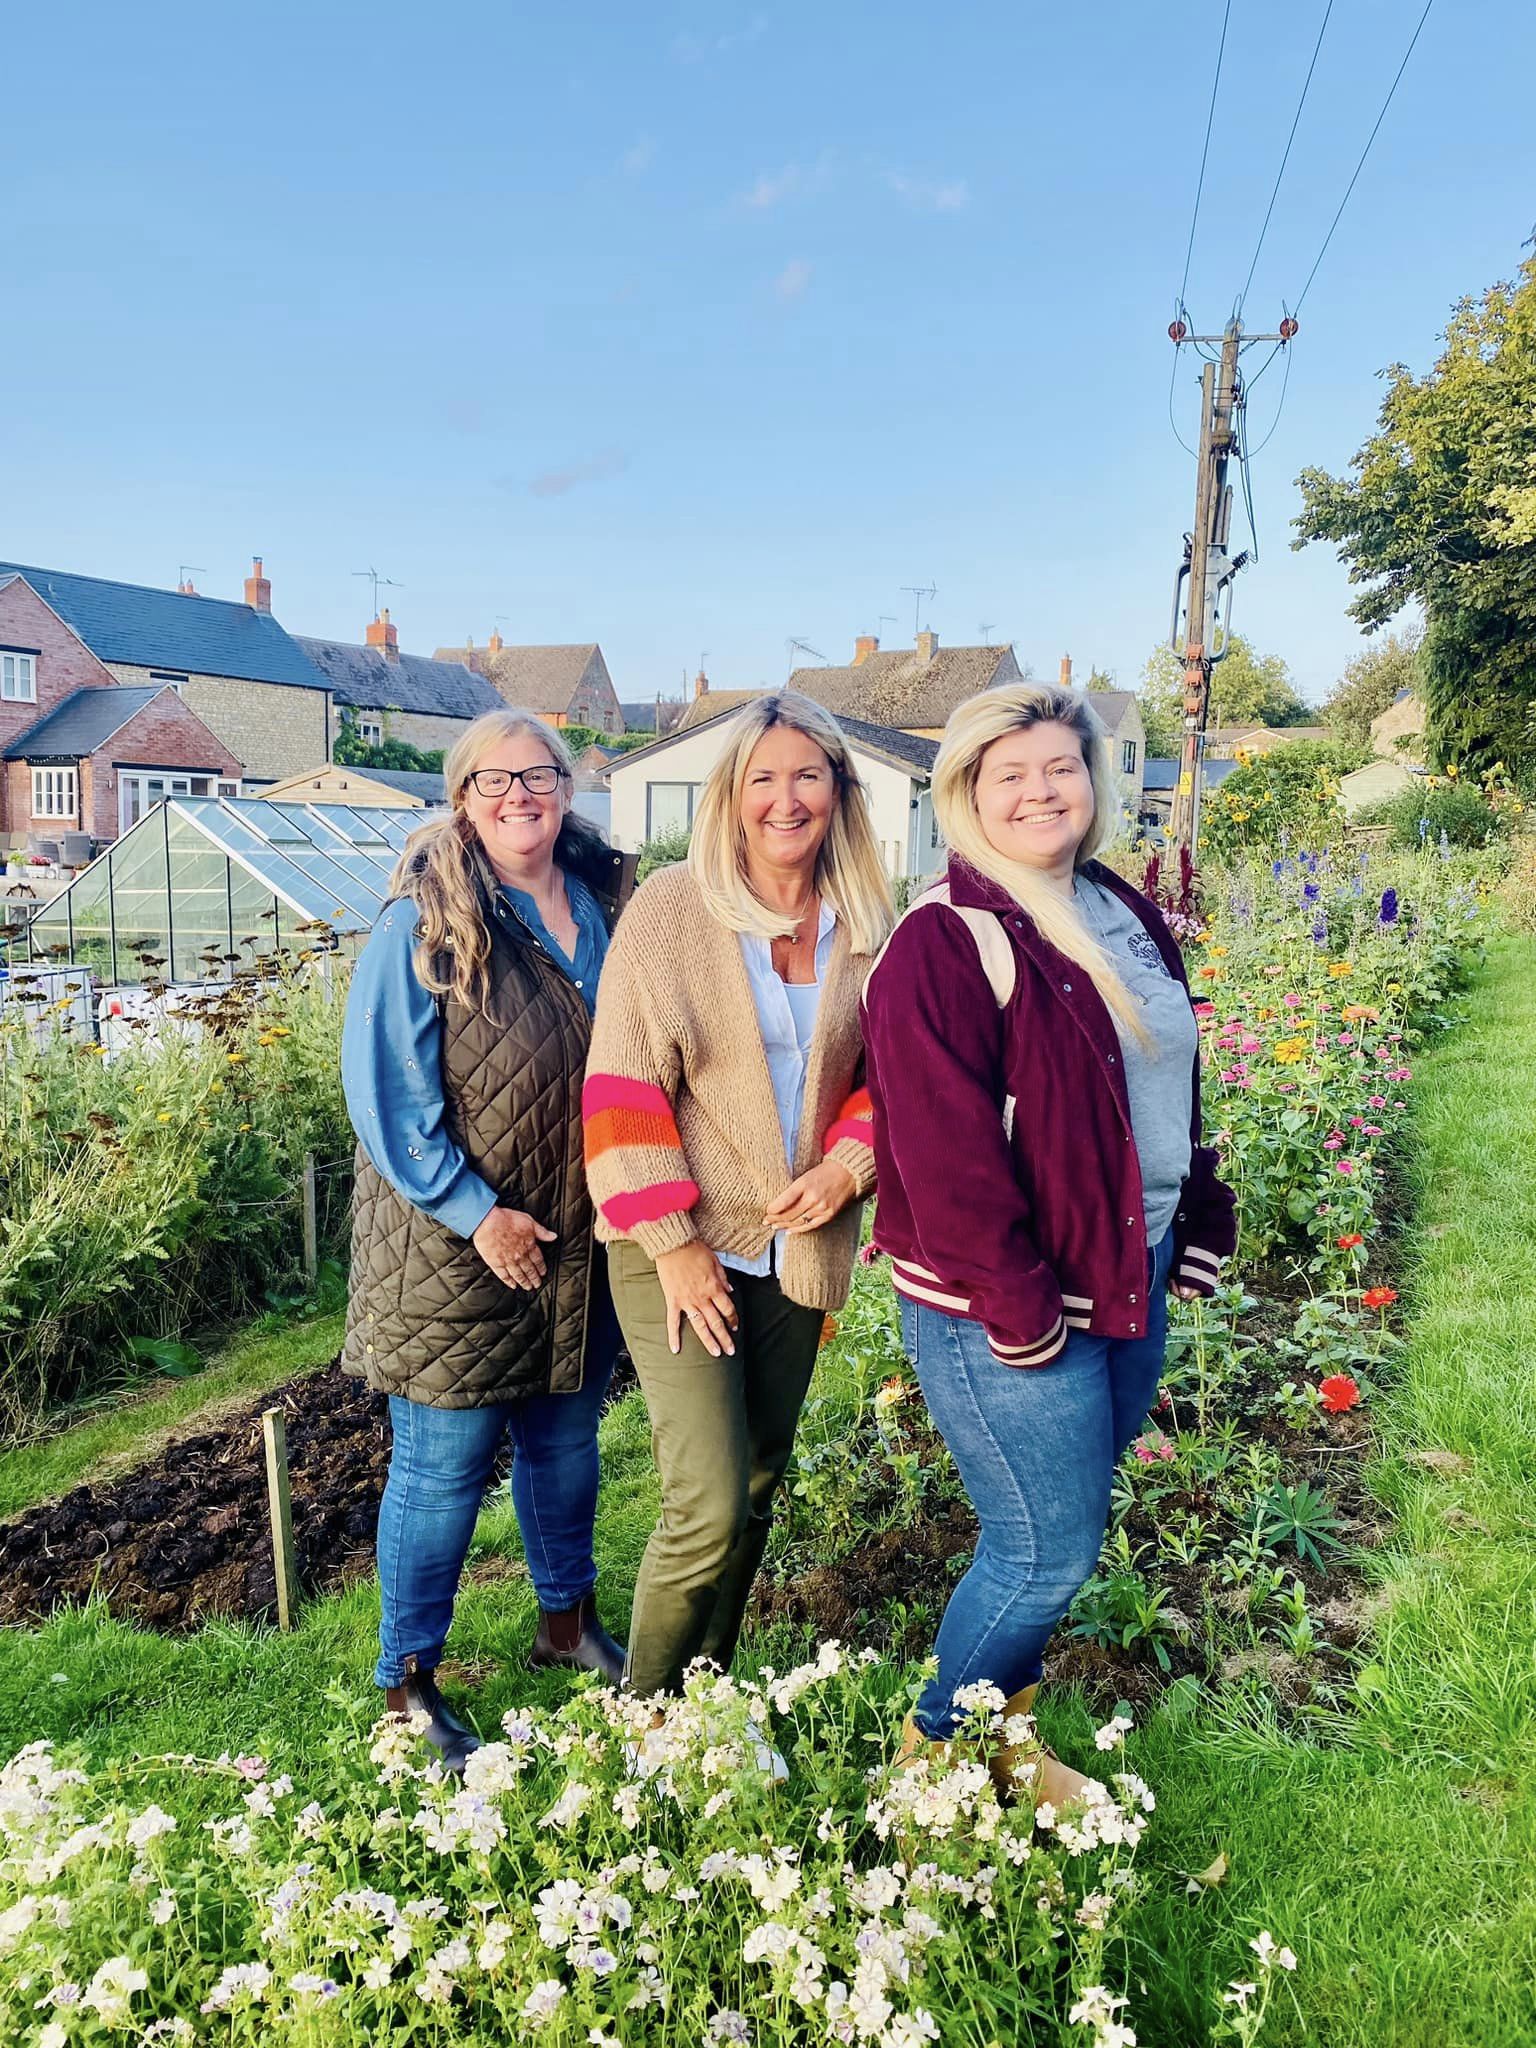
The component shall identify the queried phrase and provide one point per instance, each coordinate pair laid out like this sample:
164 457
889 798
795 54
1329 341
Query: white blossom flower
111 1990
1112 1735
911 2029
726 2025
163 1908
53 2035
241 1984
308 1985
1269 1954
308 1822
148 1826
576 1797
980 1698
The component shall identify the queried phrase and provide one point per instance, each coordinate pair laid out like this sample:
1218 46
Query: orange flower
1210 973
1378 1297
1349 1240
1339 968
1338 1392
1360 1013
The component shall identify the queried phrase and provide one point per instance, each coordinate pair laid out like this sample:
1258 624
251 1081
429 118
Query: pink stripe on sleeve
649 1205
617 1091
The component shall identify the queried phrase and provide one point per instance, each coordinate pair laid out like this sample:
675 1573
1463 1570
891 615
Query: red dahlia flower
1349 1240
1338 1393
1378 1297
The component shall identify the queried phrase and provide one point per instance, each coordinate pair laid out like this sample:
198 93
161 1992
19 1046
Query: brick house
231 664
389 695
566 685
82 752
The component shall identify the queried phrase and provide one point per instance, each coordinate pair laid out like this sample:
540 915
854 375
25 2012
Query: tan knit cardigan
682 1132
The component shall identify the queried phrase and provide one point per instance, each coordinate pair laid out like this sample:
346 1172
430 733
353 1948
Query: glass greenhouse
202 884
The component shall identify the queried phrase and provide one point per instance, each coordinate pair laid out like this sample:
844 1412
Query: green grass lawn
1394 1850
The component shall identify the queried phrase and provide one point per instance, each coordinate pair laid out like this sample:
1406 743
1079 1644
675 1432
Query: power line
1359 167
1172 380
1285 159
1280 408
1205 152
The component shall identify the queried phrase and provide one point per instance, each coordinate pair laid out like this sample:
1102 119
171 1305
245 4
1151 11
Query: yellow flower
1202 938
234 1058
164 1117
215 1087
266 1038
1452 769
1339 968
1394 988
1289 1050
1220 949
279 1031
244 1127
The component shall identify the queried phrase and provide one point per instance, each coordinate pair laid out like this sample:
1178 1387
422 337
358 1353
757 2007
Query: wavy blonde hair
976 725
438 870
849 872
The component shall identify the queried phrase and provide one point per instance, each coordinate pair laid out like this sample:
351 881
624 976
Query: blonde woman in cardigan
728 1145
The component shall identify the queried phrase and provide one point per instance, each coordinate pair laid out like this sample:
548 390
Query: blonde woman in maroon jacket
1034 1069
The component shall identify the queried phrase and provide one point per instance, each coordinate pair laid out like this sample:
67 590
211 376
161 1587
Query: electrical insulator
1177 330
1288 328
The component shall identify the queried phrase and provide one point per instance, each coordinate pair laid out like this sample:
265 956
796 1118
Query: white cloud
793 281
554 483
794 181
638 158
930 195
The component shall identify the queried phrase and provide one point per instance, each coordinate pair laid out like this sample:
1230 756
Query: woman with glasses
476 1303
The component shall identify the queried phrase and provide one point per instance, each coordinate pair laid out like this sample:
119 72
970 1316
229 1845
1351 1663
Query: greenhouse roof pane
326 860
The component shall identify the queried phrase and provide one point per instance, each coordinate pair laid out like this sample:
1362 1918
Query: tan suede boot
917 1748
1028 1769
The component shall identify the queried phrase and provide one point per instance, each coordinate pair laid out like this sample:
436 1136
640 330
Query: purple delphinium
1310 892
1320 930
1388 907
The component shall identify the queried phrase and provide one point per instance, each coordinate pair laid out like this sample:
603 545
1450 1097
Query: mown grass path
1396 1851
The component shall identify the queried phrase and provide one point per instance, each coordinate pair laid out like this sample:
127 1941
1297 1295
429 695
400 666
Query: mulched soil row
186 1536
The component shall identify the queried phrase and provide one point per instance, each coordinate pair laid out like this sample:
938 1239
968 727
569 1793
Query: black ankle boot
447 1734
576 1640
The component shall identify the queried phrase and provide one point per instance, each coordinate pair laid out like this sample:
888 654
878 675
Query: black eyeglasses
542 780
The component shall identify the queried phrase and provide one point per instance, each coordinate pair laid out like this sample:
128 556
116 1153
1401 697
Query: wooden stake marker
311 1233
275 1435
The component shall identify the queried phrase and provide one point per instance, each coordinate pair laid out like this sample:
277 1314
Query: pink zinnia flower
1344 1165
1333 1144
1377 1102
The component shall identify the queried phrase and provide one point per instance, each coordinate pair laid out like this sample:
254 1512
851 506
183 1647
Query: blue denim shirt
392 1064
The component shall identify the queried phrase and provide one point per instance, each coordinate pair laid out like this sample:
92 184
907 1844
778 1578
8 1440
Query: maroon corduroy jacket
1009 1187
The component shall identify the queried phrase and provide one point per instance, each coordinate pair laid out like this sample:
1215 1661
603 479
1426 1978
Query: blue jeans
439 1470
1036 1450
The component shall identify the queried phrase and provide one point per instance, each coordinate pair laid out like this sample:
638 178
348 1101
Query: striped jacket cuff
1041 1352
1199 1268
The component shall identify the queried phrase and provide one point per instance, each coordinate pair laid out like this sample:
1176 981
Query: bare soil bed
186 1536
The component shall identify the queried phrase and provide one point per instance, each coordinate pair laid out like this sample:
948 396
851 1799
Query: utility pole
1207 553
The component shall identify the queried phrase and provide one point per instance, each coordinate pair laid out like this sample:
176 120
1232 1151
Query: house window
54 793
229 788
18 677
669 807
370 730
1128 757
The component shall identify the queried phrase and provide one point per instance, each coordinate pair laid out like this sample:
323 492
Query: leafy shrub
1417 816
664 851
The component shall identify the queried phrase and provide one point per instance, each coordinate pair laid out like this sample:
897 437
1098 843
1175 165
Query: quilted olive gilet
426 1317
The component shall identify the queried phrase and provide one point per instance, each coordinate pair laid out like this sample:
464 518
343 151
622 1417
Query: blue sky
696 326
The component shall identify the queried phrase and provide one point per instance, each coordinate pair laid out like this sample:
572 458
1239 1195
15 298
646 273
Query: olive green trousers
722 1430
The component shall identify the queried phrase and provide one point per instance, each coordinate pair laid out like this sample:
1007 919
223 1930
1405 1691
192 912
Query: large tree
1373 680
1247 688
1441 506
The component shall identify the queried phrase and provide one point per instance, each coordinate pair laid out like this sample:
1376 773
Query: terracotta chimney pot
384 637
700 685
866 645
258 590
494 643
1066 672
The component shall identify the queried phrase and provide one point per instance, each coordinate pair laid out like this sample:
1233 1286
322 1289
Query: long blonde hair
438 869
849 872
973 727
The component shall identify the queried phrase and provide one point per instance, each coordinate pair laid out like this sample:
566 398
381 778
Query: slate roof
534 678
369 681
896 687
133 622
642 717
1111 705
85 720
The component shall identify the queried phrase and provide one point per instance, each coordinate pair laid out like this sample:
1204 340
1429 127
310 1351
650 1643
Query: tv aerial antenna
188 570
917 592
986 629
795 646
376 580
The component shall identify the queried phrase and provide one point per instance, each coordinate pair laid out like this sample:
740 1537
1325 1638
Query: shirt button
578 984
1133 1329
1111 1059
1133 1301
1066 988
1130 1222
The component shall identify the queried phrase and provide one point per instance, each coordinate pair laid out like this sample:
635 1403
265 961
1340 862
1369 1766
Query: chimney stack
866 645
494 643
927 646
258 591
384 637
1066 672
187 589
700 685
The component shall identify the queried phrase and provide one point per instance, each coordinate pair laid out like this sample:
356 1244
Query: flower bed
595 1879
